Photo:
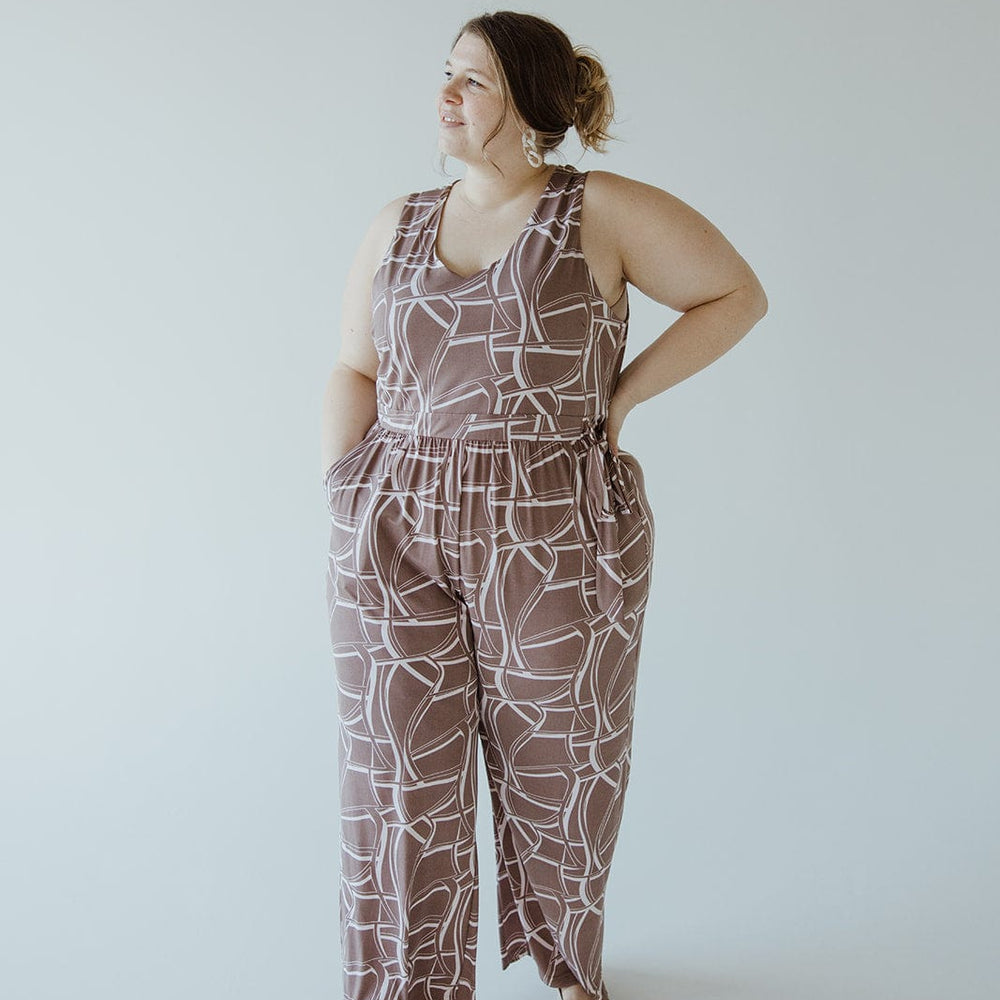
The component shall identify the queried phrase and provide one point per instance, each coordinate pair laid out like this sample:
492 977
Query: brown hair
551 83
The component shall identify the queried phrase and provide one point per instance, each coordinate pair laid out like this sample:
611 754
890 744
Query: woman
491 545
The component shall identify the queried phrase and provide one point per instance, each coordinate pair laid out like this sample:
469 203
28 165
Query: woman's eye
476 82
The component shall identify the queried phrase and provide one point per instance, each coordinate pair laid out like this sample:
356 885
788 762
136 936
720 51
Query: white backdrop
813 811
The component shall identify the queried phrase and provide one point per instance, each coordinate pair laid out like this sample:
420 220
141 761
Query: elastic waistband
453 425
438 430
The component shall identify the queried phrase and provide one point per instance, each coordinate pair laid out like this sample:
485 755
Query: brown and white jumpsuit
489 567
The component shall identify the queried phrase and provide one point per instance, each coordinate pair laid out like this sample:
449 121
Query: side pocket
338 462
331 472
334 469
634 479
635 484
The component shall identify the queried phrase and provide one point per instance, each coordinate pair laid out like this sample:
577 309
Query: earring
530 149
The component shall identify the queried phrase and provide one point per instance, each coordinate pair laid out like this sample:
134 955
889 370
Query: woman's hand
618 410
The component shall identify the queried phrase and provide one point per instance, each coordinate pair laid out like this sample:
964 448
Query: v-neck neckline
532 219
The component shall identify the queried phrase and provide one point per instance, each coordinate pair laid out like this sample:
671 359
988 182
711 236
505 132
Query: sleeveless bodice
525 346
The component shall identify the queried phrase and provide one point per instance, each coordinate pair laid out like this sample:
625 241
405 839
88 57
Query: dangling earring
530 149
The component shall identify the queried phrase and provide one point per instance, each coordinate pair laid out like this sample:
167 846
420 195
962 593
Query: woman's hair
551 83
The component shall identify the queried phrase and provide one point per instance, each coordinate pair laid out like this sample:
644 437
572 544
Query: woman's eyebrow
472 69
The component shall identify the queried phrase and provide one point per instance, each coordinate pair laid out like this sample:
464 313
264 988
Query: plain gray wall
813 813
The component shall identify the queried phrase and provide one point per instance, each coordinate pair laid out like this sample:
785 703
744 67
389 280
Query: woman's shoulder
404 207
405 212
608 187
410 205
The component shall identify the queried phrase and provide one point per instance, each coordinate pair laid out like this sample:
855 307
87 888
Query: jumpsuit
489 565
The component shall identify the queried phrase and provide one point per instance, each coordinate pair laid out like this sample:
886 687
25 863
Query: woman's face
470 93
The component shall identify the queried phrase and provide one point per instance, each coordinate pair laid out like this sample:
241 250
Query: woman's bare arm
675 256
349 404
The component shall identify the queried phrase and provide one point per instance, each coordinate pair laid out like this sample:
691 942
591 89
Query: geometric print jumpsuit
489 566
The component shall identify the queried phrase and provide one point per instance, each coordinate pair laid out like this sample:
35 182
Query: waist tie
605 490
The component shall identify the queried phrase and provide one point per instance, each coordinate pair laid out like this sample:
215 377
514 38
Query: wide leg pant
469 586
